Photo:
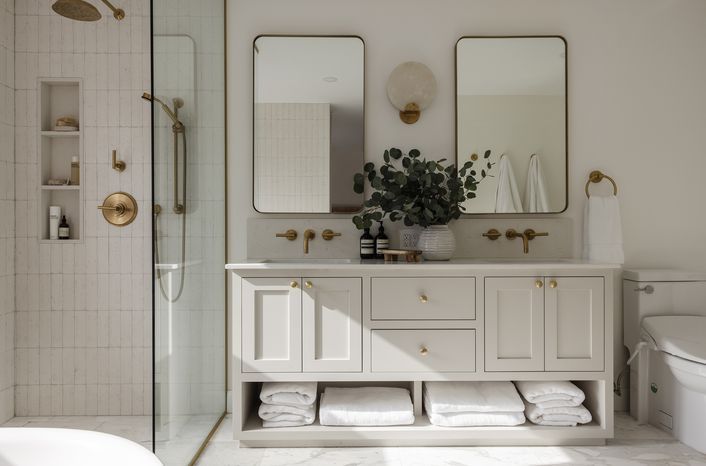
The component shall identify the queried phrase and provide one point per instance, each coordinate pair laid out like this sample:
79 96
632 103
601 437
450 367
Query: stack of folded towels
366 406
288 404
554 403
464 404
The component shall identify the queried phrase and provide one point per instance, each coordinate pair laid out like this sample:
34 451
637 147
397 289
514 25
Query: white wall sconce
411 88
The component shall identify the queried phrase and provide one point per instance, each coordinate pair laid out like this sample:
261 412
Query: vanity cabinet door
271 319
514 324
332 311
575 314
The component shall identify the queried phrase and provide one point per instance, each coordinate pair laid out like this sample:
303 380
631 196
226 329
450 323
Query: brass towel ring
597 176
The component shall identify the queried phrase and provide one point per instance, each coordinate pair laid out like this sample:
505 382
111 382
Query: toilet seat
680 336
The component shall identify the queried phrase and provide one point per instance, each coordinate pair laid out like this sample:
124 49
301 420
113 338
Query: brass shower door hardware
527 236
328 234
118 165
119 209
290 234
309 235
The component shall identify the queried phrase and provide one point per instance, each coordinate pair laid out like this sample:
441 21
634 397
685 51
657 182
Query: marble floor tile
634 445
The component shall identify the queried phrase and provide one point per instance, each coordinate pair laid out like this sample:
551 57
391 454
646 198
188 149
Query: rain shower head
81 10
178 103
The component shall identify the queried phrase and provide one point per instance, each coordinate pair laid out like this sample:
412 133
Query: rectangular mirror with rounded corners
309 122
511 99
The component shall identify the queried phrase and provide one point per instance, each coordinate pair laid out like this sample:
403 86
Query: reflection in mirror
309 123
511 98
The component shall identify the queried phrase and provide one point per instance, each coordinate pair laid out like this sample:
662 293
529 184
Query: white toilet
667 310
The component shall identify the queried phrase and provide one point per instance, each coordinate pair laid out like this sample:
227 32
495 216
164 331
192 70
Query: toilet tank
675 292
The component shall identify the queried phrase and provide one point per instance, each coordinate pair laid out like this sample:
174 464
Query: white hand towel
557 416
299 394
535 190
366 406
507 196
602 230
281 413
551 394
479 397
272 424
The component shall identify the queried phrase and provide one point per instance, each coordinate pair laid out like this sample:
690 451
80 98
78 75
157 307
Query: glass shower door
188 136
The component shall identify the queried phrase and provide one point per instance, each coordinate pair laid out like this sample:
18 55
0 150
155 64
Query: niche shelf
59 97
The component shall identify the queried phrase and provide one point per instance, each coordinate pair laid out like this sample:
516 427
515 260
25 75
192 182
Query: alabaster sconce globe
411 88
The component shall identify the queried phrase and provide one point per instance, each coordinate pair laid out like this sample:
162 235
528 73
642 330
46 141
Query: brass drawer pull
539 283
308 284
423 299
553 284
293 284
423 350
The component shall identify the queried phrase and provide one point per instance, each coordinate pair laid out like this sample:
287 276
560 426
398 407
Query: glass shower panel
188 134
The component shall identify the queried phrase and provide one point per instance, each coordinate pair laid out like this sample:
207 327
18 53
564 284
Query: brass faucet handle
531 234
328 234
118 165
492 234
290 234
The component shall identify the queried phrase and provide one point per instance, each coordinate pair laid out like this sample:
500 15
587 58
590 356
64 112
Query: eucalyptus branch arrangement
420 192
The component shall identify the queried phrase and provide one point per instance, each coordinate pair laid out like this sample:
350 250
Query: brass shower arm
118 13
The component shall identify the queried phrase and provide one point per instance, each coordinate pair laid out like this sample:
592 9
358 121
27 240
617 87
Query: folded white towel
471 419
536 199
290 414
507 196
366 406
602 230
567 416
551 394
477 397
299 394
272 424
476 419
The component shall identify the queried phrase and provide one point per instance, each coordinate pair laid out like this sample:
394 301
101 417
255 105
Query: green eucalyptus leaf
486 154
414 153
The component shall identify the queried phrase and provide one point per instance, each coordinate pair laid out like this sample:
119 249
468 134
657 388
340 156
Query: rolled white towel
551 394
477 397
275 415
566 416
298 394
366 406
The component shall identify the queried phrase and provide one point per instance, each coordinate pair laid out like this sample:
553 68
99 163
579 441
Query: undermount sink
309 261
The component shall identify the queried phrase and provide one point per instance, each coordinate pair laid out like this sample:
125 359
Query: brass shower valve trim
119 209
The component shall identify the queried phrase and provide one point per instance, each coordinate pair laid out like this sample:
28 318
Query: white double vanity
351 323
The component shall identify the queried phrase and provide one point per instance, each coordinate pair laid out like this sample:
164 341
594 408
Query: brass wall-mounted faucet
309 235
527 236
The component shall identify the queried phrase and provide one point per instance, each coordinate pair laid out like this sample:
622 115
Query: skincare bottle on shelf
382 242
75 171
54 216
64 232
367 245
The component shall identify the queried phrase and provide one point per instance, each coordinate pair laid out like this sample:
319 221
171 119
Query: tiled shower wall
83 322
7 209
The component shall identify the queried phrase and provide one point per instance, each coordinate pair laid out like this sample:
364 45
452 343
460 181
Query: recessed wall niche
60 140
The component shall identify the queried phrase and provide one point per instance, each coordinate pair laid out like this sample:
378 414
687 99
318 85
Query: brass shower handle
119 209
118 165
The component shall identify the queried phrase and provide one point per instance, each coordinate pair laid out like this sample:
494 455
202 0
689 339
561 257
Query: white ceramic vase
437 243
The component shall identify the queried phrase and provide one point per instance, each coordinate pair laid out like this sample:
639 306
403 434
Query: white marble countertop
454 264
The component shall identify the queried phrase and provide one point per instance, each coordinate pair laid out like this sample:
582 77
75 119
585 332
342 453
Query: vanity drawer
424 298
423 350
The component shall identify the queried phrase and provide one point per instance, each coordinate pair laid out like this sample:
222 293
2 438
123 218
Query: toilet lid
682 336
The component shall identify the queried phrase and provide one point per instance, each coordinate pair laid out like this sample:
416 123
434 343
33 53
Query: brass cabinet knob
308 284
423 350
553 284
328 234
290 234
293 284
423 299
539 283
